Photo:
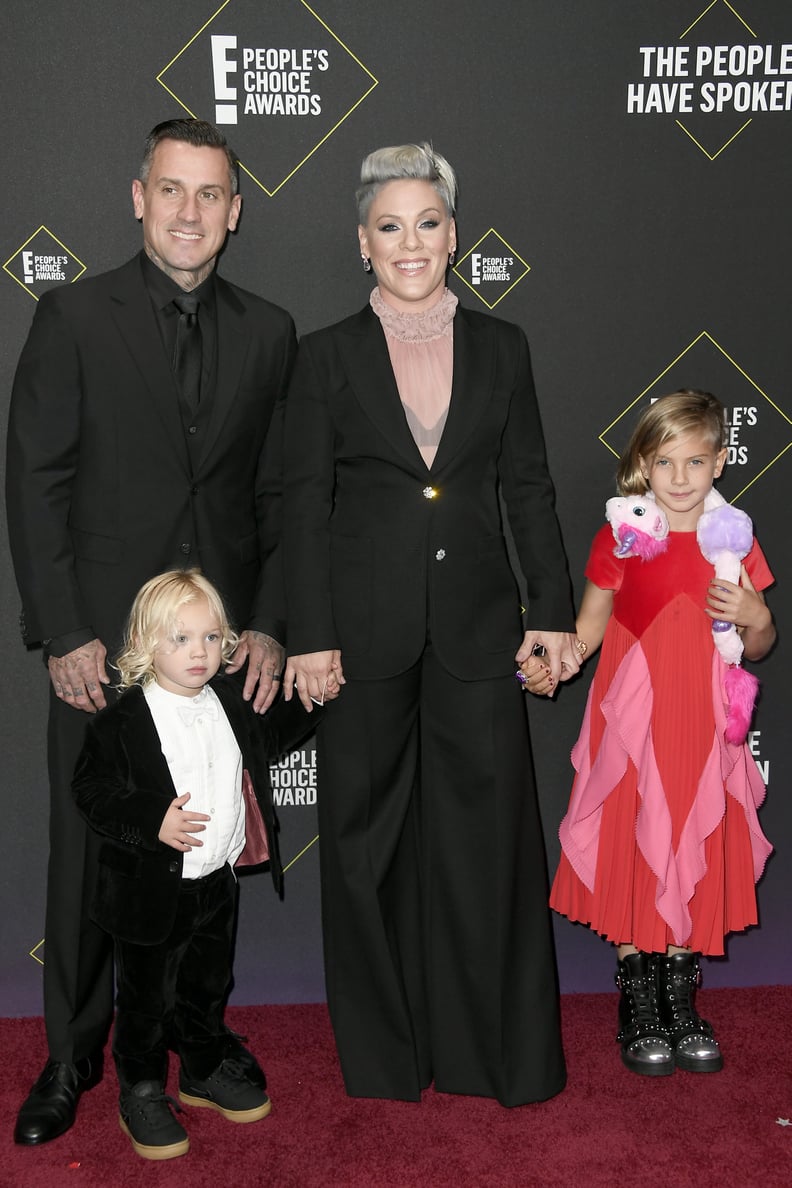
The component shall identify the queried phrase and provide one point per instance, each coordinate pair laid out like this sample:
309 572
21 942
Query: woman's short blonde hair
155 614
685 411
416 162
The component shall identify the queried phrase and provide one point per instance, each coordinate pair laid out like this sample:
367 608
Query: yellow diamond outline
710 6
34 951
512 250
743 373
731 140
301 854
725 145
22 247
252 176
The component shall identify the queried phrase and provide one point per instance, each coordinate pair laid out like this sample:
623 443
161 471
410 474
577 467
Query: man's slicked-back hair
198 133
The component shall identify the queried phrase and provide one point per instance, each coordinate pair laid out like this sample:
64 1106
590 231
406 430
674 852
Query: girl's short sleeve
757 568
603 568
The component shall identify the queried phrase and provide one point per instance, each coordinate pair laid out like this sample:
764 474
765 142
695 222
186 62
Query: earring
452 258
366 263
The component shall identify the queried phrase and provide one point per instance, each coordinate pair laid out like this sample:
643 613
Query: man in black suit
144 435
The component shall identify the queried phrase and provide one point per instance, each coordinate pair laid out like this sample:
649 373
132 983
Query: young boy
165 776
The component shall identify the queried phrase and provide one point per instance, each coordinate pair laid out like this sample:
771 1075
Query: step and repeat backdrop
626 197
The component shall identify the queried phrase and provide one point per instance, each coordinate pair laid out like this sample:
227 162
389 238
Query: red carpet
609 1127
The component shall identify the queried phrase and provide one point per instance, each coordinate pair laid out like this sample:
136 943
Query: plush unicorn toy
639 526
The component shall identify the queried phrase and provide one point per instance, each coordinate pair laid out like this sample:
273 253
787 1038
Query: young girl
175 776
661 845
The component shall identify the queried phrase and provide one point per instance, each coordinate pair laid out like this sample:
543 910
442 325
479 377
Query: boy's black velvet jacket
123 788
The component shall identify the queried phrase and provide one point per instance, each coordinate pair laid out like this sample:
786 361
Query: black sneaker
145 1116
229 1090
251 1068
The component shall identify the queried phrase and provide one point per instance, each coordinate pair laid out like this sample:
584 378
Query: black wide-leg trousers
438 946
78 954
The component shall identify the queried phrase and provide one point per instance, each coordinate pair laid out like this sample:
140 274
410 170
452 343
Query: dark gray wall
656 245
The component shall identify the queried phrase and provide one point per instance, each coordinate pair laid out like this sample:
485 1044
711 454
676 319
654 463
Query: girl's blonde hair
155 613
686 411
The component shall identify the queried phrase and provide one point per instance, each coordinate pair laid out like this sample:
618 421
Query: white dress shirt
204 759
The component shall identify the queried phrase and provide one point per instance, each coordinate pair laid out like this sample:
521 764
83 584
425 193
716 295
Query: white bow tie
190 714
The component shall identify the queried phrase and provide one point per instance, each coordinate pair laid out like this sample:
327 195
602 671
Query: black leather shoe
51 1105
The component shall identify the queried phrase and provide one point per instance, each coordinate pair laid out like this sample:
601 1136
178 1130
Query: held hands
538 679
560 662
265 658
178 828
77 677
317 675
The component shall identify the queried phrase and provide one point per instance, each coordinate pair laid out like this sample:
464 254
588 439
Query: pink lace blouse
421 349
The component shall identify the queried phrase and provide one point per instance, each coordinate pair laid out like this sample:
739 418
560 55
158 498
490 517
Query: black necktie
187 356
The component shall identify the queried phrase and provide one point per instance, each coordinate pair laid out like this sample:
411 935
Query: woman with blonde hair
412 431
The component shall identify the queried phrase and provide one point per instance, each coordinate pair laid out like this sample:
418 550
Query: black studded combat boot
645 1046
692 1038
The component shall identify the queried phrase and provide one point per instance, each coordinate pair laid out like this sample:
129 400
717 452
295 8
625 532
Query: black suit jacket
382 551
123 788
100 491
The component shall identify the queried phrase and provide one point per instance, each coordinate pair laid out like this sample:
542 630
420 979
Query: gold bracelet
581 647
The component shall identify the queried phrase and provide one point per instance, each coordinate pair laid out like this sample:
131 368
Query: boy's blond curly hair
155 613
